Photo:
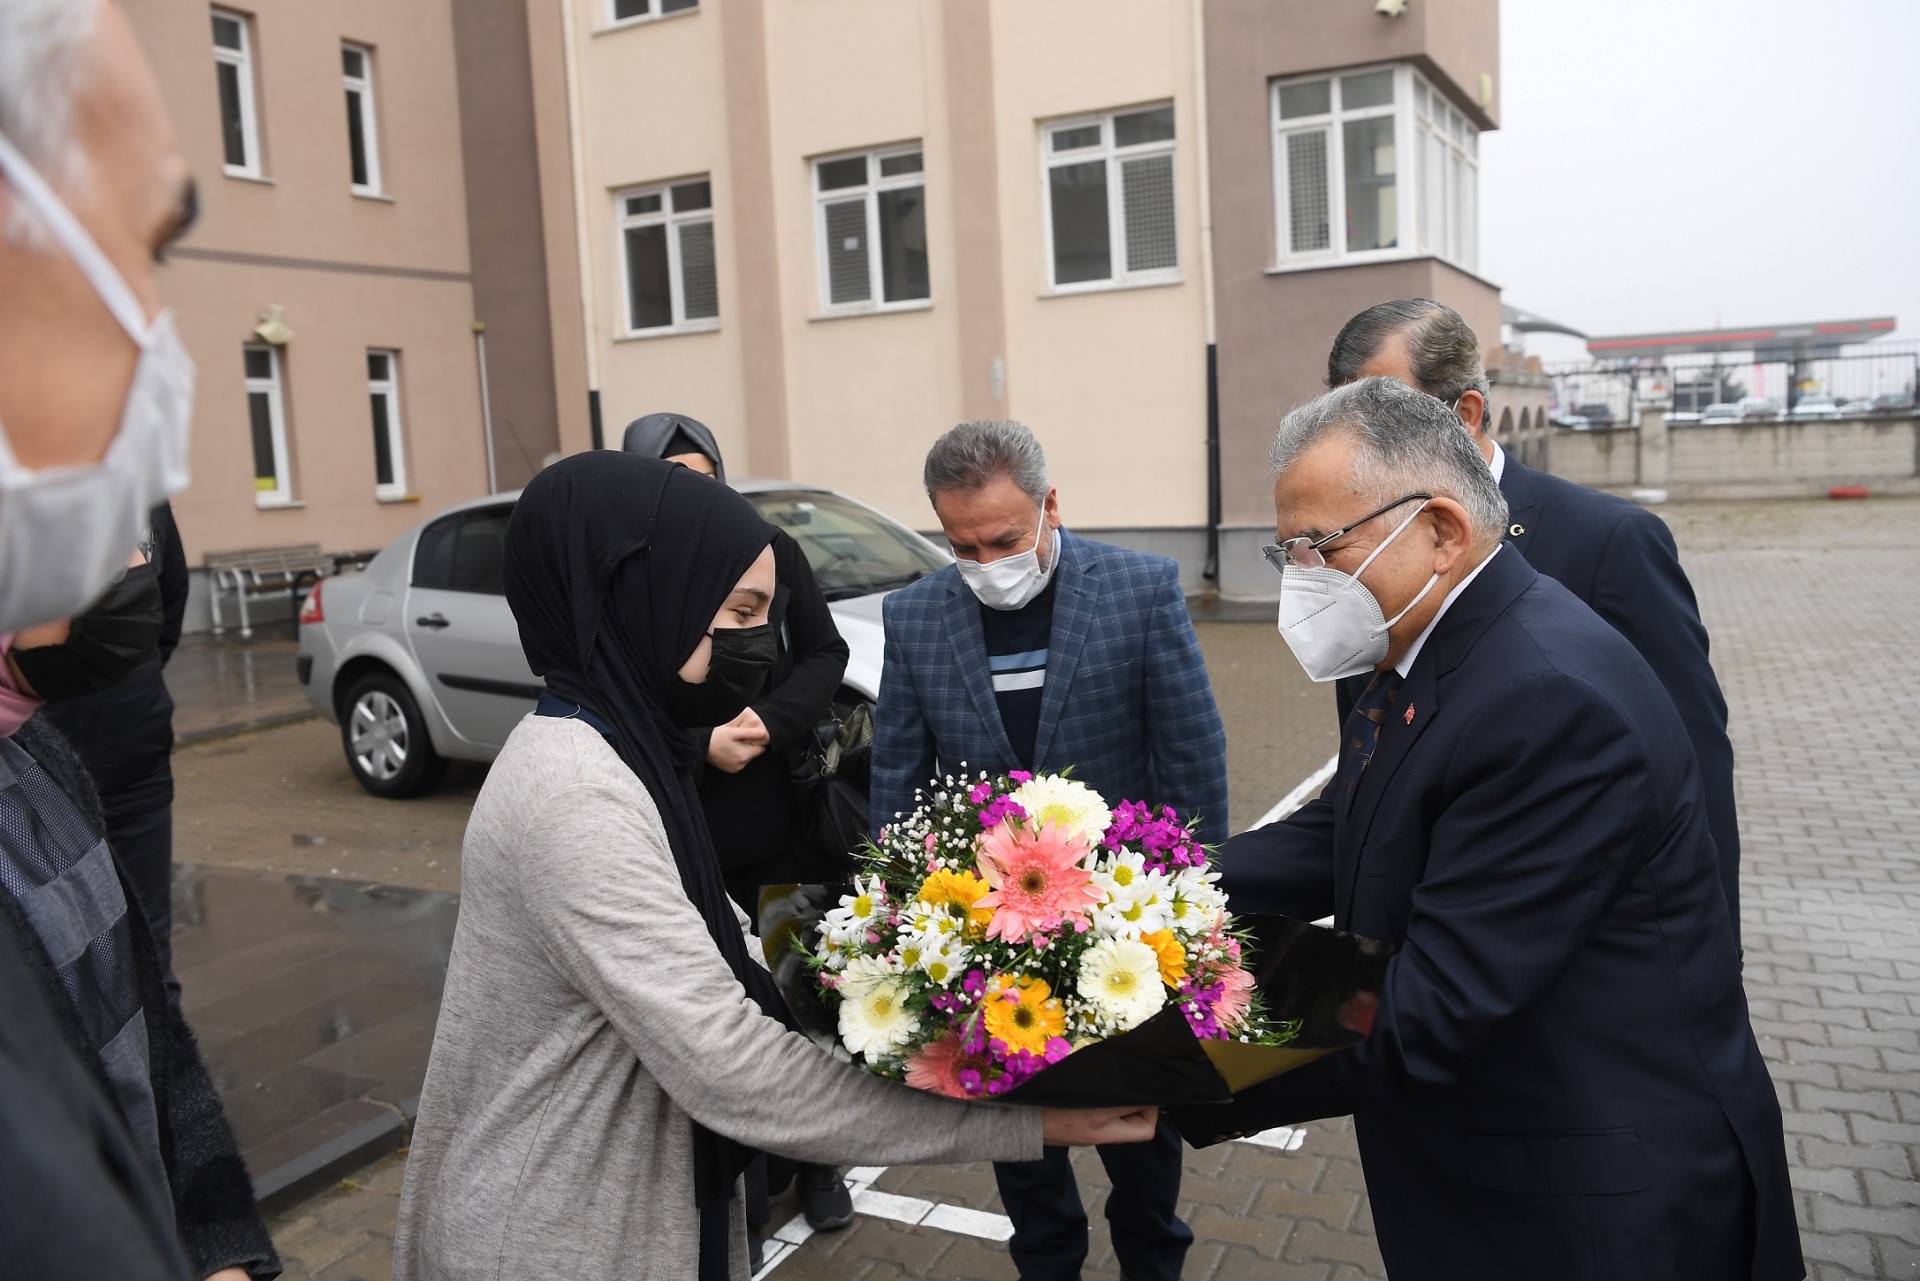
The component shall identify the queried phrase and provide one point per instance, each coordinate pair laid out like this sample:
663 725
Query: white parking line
1309 787
887 1205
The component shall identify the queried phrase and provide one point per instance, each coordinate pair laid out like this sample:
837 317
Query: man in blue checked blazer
1038 650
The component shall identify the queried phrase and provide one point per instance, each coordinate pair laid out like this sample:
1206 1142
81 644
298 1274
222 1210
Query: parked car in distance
1893 402
1816 405
1721 413
1683 416
1754 407
1599 416
1571 422
418 659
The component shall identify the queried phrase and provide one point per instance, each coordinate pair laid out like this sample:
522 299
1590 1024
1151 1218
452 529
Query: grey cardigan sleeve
599 884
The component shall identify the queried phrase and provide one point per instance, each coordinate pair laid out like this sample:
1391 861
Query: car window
433 555
854 550
464 552
480 550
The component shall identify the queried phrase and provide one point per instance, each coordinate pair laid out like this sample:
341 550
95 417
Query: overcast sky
1665 164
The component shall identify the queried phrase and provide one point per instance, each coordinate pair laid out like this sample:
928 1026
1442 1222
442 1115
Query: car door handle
435 621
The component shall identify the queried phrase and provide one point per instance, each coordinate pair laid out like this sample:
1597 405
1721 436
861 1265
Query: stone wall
1744 460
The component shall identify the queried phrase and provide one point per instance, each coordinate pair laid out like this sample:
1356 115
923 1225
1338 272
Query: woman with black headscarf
746 788
746 785
609 1053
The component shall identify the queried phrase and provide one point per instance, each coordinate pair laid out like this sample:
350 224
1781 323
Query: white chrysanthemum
945 960
1048 798
858 913
874 1018
1120 978
1137 901
1197 900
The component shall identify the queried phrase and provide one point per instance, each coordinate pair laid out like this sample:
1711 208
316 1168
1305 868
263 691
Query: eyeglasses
1304 553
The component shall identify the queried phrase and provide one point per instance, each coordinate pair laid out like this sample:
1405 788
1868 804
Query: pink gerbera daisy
937 1067
1037 878
1236 997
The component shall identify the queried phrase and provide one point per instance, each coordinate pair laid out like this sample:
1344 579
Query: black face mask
737 672
103 645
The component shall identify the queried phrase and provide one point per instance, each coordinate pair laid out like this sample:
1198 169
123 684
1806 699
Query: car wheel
386 740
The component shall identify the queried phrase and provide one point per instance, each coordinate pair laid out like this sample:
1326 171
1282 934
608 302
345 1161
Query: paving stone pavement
1813 608
1814 617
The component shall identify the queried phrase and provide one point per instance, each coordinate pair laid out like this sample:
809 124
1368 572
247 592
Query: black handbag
831 782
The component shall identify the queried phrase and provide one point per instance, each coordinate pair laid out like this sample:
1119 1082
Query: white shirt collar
1405 664
1499 464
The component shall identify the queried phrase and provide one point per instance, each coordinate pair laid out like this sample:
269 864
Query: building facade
830 230
1345 160
373 225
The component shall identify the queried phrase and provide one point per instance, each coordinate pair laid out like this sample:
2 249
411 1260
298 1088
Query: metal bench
260 570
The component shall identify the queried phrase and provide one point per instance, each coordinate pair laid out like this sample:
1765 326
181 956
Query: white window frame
241 60
1449 225
653 13
369 131
673 221
1121 278
272 385
388 389
1417 202
871 191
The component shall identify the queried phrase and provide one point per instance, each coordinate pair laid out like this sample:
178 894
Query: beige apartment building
442 242
830 230
374 215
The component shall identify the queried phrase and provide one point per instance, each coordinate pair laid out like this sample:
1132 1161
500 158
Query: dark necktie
1363 726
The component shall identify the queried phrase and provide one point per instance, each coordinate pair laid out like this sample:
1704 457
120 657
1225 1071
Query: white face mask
1332 623
1011 581
67 532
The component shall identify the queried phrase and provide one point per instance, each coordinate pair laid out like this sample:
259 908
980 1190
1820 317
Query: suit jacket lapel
969 642
1398 733
1523 503
1417 704
1073 604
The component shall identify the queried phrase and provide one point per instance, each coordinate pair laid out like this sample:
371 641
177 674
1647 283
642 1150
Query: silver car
418 660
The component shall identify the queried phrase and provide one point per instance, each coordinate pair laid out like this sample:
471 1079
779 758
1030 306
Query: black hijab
669 435
615 567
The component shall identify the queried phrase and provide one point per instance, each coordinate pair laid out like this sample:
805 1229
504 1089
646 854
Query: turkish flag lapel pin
1409 713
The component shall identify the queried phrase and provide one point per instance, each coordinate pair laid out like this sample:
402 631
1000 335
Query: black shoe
824 1197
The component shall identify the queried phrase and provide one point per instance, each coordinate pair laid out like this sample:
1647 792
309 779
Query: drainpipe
1211 571
583 255
486 402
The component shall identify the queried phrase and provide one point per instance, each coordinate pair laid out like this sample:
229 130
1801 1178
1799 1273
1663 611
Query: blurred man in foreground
95 395
1558 1076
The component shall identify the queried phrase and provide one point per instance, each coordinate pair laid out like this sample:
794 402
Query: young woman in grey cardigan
608 1056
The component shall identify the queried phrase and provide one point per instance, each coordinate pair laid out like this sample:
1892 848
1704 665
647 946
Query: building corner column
756 248
967 39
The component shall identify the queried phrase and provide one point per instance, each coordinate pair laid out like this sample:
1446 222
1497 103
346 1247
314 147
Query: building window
363 142
1448 148
871 222
666 241
233 71
266 415
640 10
1340 143
389 458
1099 240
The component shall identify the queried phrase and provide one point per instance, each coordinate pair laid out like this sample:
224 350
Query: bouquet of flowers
1009 922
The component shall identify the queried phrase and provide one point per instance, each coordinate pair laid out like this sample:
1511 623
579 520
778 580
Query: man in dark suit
1616 556
1558 1078
1037 650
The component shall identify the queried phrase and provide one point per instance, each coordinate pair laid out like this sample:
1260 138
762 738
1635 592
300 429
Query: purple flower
980 793
1019 776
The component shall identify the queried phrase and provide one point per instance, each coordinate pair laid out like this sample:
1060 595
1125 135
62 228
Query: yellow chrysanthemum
956 893
1173 957
1023 1014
